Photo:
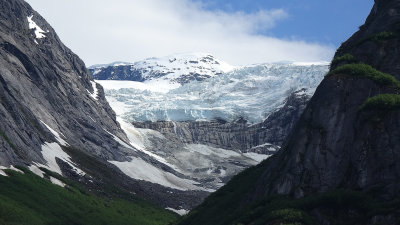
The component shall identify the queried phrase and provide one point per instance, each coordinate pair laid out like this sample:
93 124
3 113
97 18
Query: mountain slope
341 164
28 199
54 116
44 85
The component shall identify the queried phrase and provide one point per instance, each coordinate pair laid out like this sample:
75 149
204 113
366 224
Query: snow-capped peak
177 68
182 67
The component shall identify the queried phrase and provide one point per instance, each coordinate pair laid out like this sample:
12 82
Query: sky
240 32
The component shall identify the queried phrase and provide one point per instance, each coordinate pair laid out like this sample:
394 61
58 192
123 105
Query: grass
29 199
366 71
383 102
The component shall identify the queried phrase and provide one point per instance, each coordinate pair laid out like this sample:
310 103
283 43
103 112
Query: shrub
367 71
348 58
382 36
383 101
378 37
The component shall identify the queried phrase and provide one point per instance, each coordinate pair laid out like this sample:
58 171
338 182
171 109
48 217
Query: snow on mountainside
251 92
178 68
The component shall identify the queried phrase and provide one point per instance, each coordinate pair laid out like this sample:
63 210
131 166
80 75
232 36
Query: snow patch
2 173
2 168
36 170
95 93
256 157
15 169
139 169
270 147
181 212
50 152
56 135
39 32
57 182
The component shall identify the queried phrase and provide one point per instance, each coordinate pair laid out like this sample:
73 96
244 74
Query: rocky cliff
264 138
43 82
54 115
341 164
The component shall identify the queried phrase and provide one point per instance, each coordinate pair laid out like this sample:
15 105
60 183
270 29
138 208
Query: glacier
249 92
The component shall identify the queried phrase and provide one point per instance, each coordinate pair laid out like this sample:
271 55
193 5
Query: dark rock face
44 82
264 138
121 72
336 145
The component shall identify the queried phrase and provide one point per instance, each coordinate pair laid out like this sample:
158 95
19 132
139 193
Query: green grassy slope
29 199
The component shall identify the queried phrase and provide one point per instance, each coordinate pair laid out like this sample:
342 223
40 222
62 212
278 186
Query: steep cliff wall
341 164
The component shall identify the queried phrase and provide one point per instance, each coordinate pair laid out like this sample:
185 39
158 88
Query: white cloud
103 31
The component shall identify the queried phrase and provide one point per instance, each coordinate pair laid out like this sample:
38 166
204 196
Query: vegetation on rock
346 58
383 101
366 71
383 36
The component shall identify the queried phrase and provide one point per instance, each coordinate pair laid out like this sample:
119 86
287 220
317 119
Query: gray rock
41 80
